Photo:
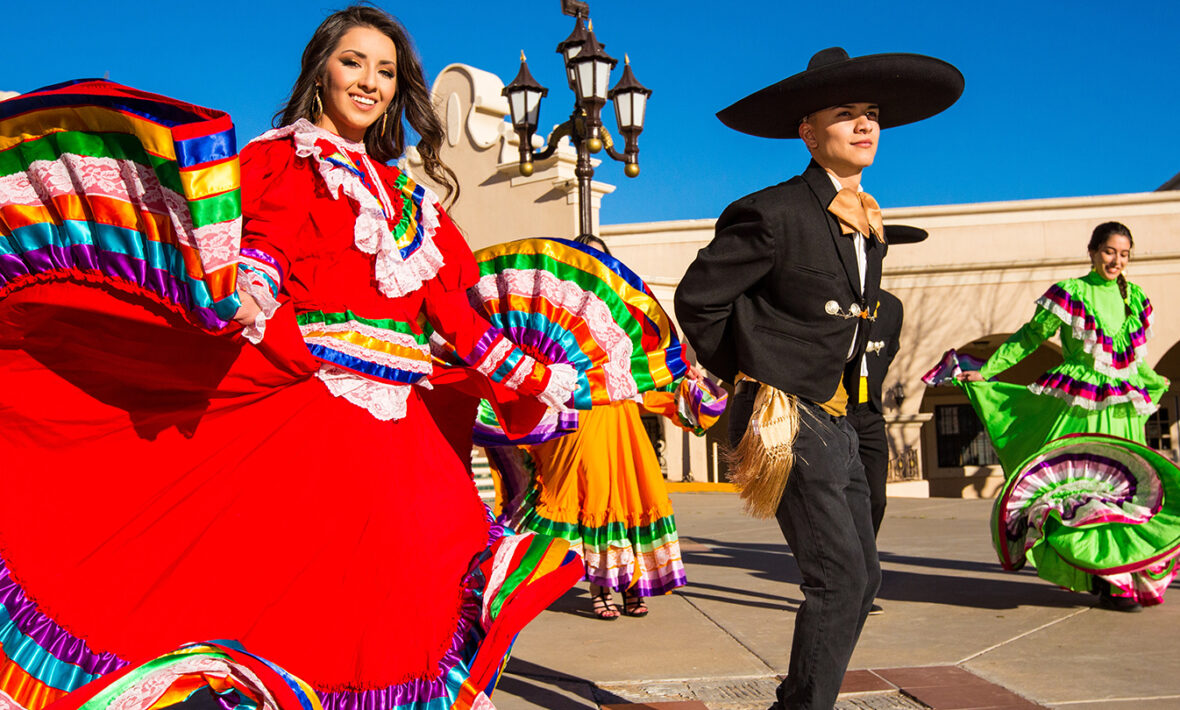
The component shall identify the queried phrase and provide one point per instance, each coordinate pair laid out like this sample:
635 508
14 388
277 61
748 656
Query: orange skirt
601 488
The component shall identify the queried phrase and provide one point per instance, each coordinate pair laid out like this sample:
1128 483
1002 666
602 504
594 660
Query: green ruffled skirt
1084 495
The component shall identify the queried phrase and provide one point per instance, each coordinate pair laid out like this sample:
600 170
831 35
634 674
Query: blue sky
1062 98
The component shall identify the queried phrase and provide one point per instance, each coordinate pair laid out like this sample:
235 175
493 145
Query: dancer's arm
480 344
1155 383
1022 343
741 254
277 192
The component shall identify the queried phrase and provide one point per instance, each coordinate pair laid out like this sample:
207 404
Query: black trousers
874 454
826 519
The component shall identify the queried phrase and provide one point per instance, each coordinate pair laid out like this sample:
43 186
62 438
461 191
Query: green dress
1083 505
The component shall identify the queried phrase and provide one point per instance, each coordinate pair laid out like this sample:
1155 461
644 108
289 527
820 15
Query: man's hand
969 376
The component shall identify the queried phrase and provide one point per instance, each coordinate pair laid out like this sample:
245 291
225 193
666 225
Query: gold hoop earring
317 107
383 117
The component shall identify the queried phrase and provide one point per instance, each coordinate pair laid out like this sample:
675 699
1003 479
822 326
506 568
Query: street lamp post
588 68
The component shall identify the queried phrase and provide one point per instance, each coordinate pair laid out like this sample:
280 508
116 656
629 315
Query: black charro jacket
755 299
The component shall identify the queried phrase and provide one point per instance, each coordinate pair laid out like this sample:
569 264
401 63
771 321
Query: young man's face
843 138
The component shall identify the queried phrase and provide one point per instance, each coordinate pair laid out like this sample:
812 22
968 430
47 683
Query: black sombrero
907 87
904 234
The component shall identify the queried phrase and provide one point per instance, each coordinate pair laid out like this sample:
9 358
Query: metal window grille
904 467
655 432
1159 430
960 438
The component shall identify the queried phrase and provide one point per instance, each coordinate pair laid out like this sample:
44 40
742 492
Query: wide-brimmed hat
904 234
906 87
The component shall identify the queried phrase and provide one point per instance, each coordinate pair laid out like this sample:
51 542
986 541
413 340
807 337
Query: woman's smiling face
359 81
1111 258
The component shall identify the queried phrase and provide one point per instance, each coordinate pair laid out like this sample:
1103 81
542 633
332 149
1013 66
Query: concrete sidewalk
725 637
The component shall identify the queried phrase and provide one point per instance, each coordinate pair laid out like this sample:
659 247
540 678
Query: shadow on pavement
741 597
961 565
764 560
991 588
1024 589
552 689
537 693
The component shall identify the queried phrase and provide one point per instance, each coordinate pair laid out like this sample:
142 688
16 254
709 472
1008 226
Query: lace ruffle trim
255 286
1142 404
1093 338
385 402
396 275
563 380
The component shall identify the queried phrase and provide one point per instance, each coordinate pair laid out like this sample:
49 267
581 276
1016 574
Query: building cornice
1050 203
1043 263
934 216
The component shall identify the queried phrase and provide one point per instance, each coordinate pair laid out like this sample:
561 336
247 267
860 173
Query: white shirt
858 242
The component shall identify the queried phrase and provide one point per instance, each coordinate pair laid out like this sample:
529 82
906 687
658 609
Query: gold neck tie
858 212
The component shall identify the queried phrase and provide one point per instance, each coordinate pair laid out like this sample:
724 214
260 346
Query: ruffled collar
398 270
334 138
1098 280
1116 351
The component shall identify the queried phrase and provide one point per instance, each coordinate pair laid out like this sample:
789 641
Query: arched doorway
958 459
1163 429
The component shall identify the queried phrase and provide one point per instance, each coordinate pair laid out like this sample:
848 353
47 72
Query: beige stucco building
968 286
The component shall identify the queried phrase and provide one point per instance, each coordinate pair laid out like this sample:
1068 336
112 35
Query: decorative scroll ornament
833 308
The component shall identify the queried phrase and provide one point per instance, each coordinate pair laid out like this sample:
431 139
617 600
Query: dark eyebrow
362 55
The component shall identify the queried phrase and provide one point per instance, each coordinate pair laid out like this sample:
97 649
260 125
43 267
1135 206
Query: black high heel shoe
633 605
603 607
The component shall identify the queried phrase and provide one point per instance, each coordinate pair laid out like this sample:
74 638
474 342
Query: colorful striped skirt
222 493
601 489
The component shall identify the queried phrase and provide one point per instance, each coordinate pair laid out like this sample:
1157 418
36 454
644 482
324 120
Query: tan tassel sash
759 466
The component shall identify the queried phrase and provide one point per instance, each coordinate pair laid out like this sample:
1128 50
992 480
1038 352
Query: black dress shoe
1119 604
1107 600
876 609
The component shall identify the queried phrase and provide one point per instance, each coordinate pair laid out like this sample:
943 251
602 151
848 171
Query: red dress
163 485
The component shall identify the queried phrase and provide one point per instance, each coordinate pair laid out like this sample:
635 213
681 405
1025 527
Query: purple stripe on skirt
259 255
58 642
11 266
1090 391
550 350
485 342
87 257
1095 460
464 641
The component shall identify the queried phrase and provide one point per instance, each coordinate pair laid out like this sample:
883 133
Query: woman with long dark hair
292 493
1091 513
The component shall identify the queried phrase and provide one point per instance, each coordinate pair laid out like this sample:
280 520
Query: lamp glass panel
571 51
585 77
623 109
639 107
516 102
601 79
533 107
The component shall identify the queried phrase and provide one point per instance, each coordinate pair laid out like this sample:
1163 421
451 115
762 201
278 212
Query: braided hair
411 102
1098 238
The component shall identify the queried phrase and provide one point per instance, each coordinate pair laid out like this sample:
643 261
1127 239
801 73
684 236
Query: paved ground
724 638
